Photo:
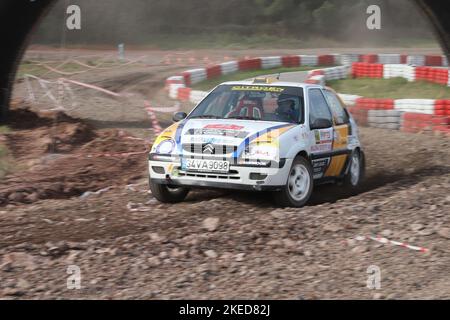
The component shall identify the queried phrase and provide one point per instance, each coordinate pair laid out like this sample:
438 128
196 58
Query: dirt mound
58 157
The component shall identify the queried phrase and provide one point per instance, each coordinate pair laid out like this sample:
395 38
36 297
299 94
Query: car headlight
165 147
262 152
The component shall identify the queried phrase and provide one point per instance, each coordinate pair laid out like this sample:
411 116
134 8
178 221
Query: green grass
237 76
5 160
396 88
4 129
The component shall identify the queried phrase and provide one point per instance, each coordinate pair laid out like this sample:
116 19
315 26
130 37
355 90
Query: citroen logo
209 148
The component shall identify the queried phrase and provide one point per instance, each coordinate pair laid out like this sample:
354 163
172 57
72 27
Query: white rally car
259 135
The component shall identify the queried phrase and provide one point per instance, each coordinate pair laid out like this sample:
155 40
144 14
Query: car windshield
252 102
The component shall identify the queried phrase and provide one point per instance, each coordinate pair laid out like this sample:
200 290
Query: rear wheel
299 186
355 174
168 194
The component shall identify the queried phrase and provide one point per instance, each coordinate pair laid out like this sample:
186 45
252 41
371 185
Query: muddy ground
68 204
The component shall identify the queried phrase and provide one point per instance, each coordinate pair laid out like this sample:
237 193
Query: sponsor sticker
322 147
224 127
319 167
258 88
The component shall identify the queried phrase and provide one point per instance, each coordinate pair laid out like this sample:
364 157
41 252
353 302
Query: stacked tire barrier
408 115
384 119
399 70
437 75
423 123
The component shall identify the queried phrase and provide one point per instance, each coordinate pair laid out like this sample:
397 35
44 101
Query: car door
320 140
341 127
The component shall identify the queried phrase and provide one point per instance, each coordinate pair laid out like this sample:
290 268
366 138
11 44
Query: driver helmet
286 105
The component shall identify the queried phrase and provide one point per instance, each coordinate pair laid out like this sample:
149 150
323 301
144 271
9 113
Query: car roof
272 83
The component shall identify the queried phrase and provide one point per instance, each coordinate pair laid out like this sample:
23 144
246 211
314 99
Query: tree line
138 21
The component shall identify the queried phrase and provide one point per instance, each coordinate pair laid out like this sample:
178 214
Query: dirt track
130 246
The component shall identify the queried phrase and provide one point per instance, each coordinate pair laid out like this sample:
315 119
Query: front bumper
239 177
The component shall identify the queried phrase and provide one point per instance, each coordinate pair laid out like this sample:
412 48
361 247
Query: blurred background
175 24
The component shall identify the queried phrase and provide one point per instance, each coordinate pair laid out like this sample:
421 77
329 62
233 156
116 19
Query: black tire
350 181
167 194
284 197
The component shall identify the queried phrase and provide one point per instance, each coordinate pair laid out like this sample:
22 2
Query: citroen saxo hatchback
259 135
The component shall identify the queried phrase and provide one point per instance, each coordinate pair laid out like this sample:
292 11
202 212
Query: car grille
232 175
209 149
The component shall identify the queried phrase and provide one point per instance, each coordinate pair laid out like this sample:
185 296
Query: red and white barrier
229 67
271 62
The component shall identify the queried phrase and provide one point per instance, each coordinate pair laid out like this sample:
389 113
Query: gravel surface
221 244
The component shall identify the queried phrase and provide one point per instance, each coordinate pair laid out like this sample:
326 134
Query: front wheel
168 194
299 186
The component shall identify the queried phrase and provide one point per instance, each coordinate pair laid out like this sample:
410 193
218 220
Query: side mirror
321 123
178 116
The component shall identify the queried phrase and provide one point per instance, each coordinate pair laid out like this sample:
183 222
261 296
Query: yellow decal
272 136
340 142
258 88
169 133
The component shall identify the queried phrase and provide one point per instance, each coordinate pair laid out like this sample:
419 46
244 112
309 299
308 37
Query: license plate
205 165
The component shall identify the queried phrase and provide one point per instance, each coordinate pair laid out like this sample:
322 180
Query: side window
339 114
318 108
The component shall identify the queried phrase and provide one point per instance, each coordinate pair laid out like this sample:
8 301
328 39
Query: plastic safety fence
416 60
229 67
369 58
425 106
389 58
367 70
309 60
326 60
362 106
399 70
439 75
434 75
349 99
213 72
347 59
270 62
250 64
174 80
359 115
384 119
291 61
194 76
184 94
419 122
